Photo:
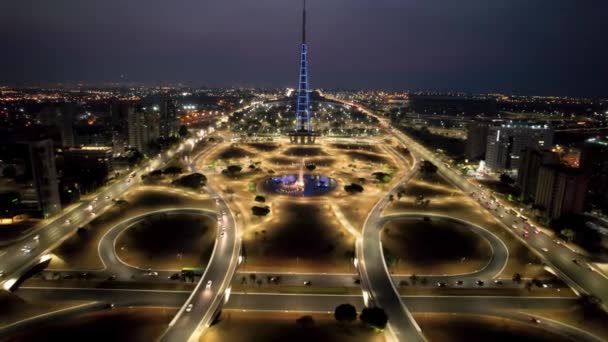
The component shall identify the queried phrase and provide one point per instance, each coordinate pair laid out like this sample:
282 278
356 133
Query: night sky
545 47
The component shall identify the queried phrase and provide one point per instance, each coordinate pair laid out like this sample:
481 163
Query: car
534 320
93 213
575 261
459 282
189 307
498 282
514 226
525 235
544 249
479 282
68 221
36 237
27 249
129 180
112 278
107 197
441 284
1 273
174 276
307 283
222 234
208 286
536 231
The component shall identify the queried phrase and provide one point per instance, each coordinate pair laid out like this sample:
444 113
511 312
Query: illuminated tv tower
302 104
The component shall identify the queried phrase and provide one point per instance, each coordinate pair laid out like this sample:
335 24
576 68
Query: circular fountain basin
288 184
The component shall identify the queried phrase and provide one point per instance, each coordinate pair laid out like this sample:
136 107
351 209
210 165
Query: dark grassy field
434 247
157 241
461 328
121 324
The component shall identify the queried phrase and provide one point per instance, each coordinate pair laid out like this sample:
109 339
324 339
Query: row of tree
374 317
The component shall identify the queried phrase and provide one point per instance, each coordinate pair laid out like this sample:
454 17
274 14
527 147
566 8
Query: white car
208 286
544 249
189 307
26 249
68 221
36 237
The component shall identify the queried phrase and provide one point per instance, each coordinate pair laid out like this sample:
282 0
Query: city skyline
525 48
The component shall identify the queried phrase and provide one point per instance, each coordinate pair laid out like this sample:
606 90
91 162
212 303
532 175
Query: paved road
122 271
375 278
21 256
209 293
579 275
504 306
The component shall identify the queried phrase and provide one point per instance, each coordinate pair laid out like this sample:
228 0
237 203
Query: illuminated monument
303 132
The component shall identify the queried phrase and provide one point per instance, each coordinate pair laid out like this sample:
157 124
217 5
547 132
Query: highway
572 267
500 306
378 287
198 311
22 255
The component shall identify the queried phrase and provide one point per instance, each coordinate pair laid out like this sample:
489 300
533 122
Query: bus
192 271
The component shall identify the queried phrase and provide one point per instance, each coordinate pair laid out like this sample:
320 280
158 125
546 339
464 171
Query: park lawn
280 326
117 325
464 327
455 248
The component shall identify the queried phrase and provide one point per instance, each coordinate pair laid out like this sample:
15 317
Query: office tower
36 175
143 127
560 190
62 117
169 122
477 137
507 141
594 163
531 161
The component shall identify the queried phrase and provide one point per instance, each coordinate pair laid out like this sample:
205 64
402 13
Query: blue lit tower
303 131
302 105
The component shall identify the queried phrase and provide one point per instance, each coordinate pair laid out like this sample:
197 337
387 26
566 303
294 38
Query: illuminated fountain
300 184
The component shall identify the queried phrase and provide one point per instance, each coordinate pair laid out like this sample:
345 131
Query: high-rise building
560 190
143 127
169 123
62 117
36 174
594 163
477 137
507 141
531 161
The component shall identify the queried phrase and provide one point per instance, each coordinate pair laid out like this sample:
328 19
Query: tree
568 234
194 181
353 188
382 177
233 169
260 199
173 170
311 167
517 278
345 313
183 131
375 317
260 211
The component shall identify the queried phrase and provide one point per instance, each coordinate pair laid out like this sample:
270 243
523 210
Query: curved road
495 266
107 244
